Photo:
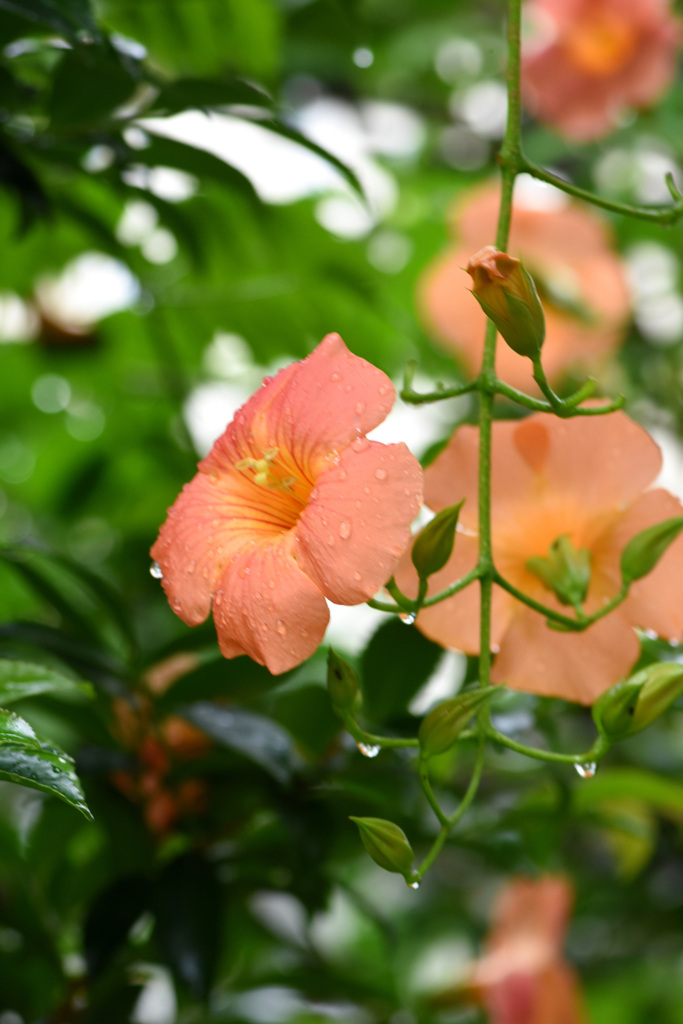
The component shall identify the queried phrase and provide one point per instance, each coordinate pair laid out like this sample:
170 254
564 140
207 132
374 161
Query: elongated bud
507 294
643 551
442 726
434 544
342 682
386 843
634 704
565 570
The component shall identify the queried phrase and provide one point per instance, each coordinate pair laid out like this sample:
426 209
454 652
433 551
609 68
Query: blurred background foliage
150 277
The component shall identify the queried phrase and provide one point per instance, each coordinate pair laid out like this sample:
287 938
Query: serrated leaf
30 761
21 679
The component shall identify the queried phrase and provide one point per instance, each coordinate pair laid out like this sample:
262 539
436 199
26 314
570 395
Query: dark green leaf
28 761
189 912
188 93
111 916
256 737
67 16
20 679
397 661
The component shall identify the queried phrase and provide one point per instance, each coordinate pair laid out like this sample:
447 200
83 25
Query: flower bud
442 726
565 570
507 294
634 704
342 682
434 544
643 551
386 843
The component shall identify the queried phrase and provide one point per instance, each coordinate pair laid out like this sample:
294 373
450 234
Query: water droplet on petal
359 444
335 376
314 494
271 584
155 571
407 618
191 567
587 770
359 407
344 530
330 540
381 474
243 573
357 576
280 627
382 389
205 572
369 749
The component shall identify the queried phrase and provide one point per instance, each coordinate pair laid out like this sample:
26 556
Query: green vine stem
665 216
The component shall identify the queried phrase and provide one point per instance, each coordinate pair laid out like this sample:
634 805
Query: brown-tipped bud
442 726
634 704
434 544
387 844
565 570
643 551
342 682
507 294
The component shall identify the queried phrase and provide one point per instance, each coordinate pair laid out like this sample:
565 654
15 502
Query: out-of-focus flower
589 60
292 505
580 280
584 479
158 747
523 977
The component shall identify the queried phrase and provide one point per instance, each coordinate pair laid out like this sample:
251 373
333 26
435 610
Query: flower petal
267 608
573 666
189 550
357 522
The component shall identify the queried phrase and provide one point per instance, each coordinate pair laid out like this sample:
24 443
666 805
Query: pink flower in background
585 479
590 60
580 279
523 977
292 505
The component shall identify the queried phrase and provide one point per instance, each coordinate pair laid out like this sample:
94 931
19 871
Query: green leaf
203 94
67 16
112 914
188 909
29 761
87 87
21 679
256 737
396 662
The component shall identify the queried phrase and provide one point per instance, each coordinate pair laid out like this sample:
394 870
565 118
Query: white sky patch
88 289
281 171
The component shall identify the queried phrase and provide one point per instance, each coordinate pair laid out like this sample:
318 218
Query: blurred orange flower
292 505
580 280
523 977
590 60
584 479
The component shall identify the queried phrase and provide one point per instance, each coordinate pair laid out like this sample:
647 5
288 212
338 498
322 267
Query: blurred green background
148 284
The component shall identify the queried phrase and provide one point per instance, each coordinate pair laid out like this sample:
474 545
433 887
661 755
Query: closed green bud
434 544
342 682
442 726
387 844
634 704
643 551
565 570
507 294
